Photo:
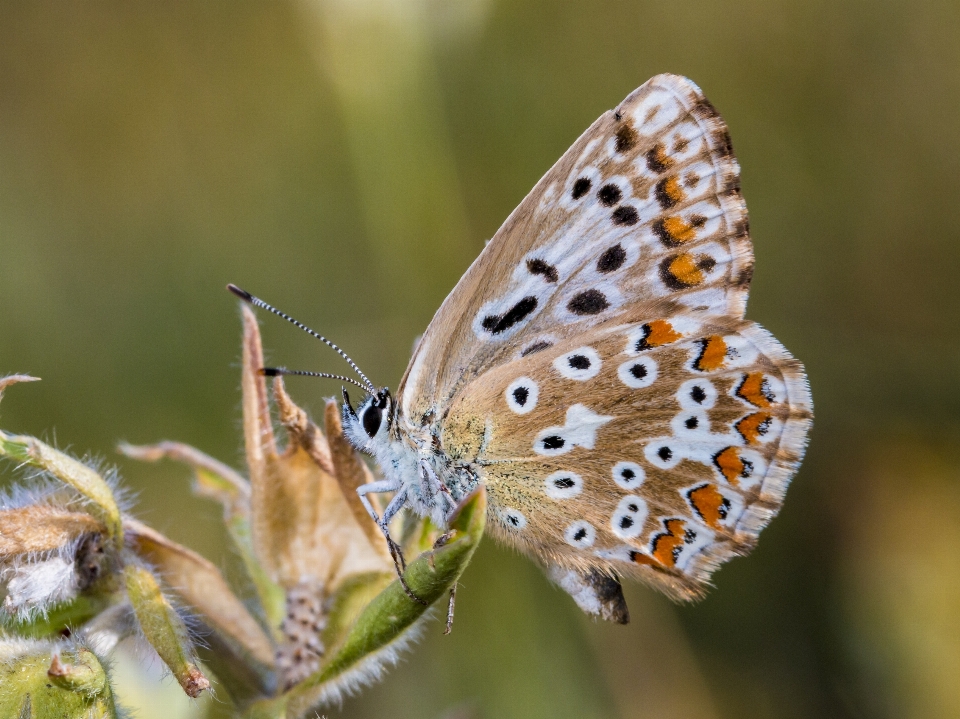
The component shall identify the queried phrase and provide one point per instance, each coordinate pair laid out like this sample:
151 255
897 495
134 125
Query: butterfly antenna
278 371
257 302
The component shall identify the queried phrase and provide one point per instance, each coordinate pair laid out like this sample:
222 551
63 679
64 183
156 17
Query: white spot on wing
580 534
628 475
663 454
580 364
638 373
579 430
522 395
514 519
656 111
691 424
629 516
563 485
697 394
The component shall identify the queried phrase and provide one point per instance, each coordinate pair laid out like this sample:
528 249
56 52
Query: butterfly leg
379 487
398 501
438 488
396 504
453 600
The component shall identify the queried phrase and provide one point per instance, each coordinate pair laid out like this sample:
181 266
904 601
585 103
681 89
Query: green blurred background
346 159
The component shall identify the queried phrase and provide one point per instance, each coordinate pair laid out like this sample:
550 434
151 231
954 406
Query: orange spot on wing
709 504
712 355
754 426
674 231
730 465
657 159
753 390
643 559
666 546
685 270
660 332
669 192
682 271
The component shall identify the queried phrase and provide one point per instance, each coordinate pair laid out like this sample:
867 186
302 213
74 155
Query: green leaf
164 630
37 682
430 577
71 614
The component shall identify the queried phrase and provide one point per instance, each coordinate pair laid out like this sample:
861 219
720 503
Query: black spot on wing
609 195
536 347
495 324
588 302
581 187
546 270
625 215
612 259
626 138
553 442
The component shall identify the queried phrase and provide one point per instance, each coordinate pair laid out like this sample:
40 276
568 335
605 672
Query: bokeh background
346 160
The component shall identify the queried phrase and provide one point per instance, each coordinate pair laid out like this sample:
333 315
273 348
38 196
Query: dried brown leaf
37 528
201 585
303 528
351 472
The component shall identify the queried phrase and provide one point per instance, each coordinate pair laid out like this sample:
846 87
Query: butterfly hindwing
655 448
645 205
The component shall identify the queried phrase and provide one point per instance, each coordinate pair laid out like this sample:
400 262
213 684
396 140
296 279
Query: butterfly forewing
655 448
645 205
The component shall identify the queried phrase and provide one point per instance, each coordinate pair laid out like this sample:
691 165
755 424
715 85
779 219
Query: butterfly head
370 421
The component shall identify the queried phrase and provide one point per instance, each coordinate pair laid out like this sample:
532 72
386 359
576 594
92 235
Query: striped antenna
257 302
278 371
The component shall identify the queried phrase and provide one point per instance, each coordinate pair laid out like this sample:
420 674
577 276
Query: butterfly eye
371 419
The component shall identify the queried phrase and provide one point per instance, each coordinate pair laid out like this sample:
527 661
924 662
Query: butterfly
593 369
